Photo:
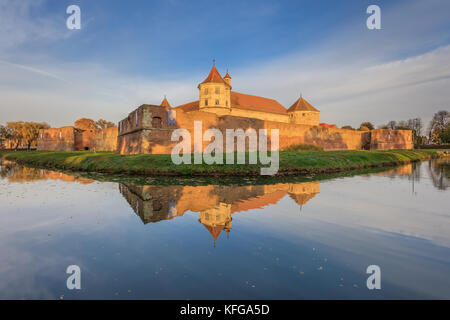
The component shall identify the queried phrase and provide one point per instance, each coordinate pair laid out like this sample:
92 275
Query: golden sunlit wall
310 118
214 95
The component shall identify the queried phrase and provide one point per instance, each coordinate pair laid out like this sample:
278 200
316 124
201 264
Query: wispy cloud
24 23
34 70
353 75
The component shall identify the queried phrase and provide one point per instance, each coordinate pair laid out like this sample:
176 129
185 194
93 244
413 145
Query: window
217 90
226 103
137 117
206 102
206 90
217 102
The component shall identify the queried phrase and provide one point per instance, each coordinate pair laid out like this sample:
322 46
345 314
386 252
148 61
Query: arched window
217 90
217 102
206 102
156 122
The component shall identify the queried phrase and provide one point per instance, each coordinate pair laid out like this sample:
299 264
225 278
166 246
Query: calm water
289 240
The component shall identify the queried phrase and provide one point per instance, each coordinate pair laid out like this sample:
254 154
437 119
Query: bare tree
103 124
438 124
392 125
416 125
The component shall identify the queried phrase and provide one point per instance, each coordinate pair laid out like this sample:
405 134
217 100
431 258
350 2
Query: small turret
302 112
165 103
227 79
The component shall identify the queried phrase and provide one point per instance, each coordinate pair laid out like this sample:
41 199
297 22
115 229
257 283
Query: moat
306 239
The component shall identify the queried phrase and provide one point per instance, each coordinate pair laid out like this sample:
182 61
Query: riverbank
291 162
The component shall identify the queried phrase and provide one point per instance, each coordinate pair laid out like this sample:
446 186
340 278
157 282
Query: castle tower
302 112
214 91
227 79
217 219
165 103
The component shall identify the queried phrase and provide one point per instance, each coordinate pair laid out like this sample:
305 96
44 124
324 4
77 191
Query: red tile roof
327 125
258 202
302 105
215 77
165 103
245 102
191 106
255 103
227 76
214 231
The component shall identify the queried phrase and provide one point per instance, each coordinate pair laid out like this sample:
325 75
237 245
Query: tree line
438 131
25 134
20 134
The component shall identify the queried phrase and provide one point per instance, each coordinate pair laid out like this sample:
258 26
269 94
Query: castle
149 128
153 203
215 96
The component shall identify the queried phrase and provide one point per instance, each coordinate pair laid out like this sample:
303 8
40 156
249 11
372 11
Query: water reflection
290 239
20 174
215 204
439 172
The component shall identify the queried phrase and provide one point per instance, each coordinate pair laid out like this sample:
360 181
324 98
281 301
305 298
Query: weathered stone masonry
146 130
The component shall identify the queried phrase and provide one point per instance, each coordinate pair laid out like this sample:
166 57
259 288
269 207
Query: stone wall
57 139
73 139
385 139
140 133
147 130
144 128
106 139
84 140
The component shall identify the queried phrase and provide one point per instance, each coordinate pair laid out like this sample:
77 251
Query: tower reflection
215 204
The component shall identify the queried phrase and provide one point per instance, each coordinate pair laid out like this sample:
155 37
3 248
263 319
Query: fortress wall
57 139
252 114
135 132
385 139
149 136
327 138
84 140
106 139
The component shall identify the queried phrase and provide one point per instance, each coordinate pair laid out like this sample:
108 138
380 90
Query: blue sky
133 52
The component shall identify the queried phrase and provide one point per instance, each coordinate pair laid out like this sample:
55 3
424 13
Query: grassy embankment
291 162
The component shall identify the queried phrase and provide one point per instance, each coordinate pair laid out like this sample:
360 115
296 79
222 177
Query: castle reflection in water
216 204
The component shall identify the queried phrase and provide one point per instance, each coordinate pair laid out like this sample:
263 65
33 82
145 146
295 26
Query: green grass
291 162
